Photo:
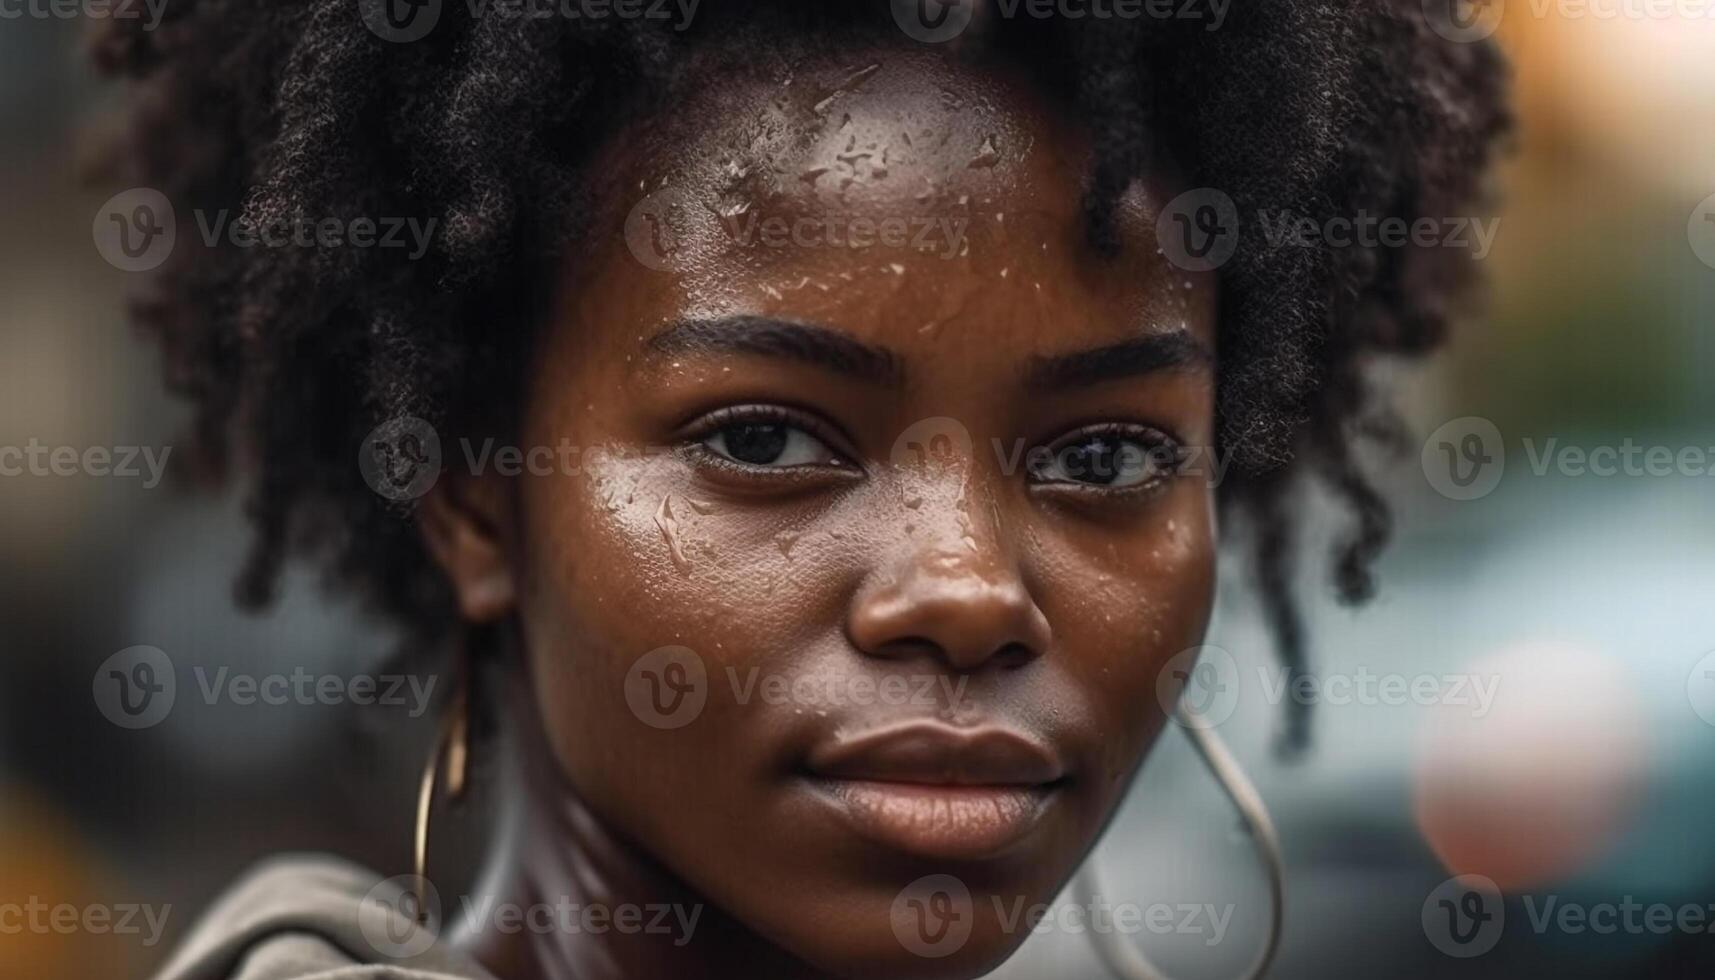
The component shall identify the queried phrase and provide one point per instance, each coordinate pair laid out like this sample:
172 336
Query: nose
968 606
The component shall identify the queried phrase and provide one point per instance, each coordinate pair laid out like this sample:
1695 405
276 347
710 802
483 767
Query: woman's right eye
769 444
766 440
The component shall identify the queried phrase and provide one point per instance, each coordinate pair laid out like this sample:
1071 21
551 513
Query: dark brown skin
1054 603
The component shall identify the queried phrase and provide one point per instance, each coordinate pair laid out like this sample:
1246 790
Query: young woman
874 392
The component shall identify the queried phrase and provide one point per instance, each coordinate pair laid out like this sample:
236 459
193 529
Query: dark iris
758 443
1095 460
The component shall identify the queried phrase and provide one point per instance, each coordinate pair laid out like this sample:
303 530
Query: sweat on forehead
872 122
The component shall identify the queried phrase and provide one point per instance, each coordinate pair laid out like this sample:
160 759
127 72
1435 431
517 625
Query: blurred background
1588 602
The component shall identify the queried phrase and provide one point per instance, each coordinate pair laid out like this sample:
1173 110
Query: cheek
1123 604
627 557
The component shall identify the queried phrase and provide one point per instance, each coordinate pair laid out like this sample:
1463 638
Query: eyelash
1154 442
695 444
696 438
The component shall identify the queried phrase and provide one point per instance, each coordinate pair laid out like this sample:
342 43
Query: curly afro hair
279 109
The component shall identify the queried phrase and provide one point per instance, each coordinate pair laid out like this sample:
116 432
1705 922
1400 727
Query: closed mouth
937 791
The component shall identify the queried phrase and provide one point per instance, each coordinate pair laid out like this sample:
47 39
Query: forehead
891 194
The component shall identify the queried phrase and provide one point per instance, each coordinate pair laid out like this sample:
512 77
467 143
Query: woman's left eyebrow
831 350
1167 351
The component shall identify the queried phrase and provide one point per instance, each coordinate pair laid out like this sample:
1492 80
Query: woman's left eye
1109 460
769 443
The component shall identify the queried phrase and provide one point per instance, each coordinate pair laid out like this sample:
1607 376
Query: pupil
757 443
1096 461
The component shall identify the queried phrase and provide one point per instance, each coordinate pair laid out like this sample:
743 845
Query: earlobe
463 522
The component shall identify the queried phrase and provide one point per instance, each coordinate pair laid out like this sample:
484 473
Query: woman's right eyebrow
806 343
1170 350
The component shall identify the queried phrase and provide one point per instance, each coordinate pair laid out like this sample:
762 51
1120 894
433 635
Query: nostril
1013 655
908 647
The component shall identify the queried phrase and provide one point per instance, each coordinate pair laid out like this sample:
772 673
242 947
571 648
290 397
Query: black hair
277 109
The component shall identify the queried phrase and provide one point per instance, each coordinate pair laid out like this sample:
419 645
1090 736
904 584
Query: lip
937 791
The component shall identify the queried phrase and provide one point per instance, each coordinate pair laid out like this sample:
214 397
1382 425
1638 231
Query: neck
593 905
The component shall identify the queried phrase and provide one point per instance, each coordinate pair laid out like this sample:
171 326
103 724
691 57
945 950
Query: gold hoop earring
1125 961
452 744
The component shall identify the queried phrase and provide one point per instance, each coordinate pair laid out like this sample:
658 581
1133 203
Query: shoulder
313 917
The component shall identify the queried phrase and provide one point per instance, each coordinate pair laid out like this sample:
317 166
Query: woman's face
866 431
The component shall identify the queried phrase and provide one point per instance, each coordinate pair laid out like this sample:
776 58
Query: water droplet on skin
851 83
701 507
784 541
913 503
970 542
987 155
898 269
670 533
1003 272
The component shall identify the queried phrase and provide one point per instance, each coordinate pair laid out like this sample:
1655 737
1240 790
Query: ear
464 521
